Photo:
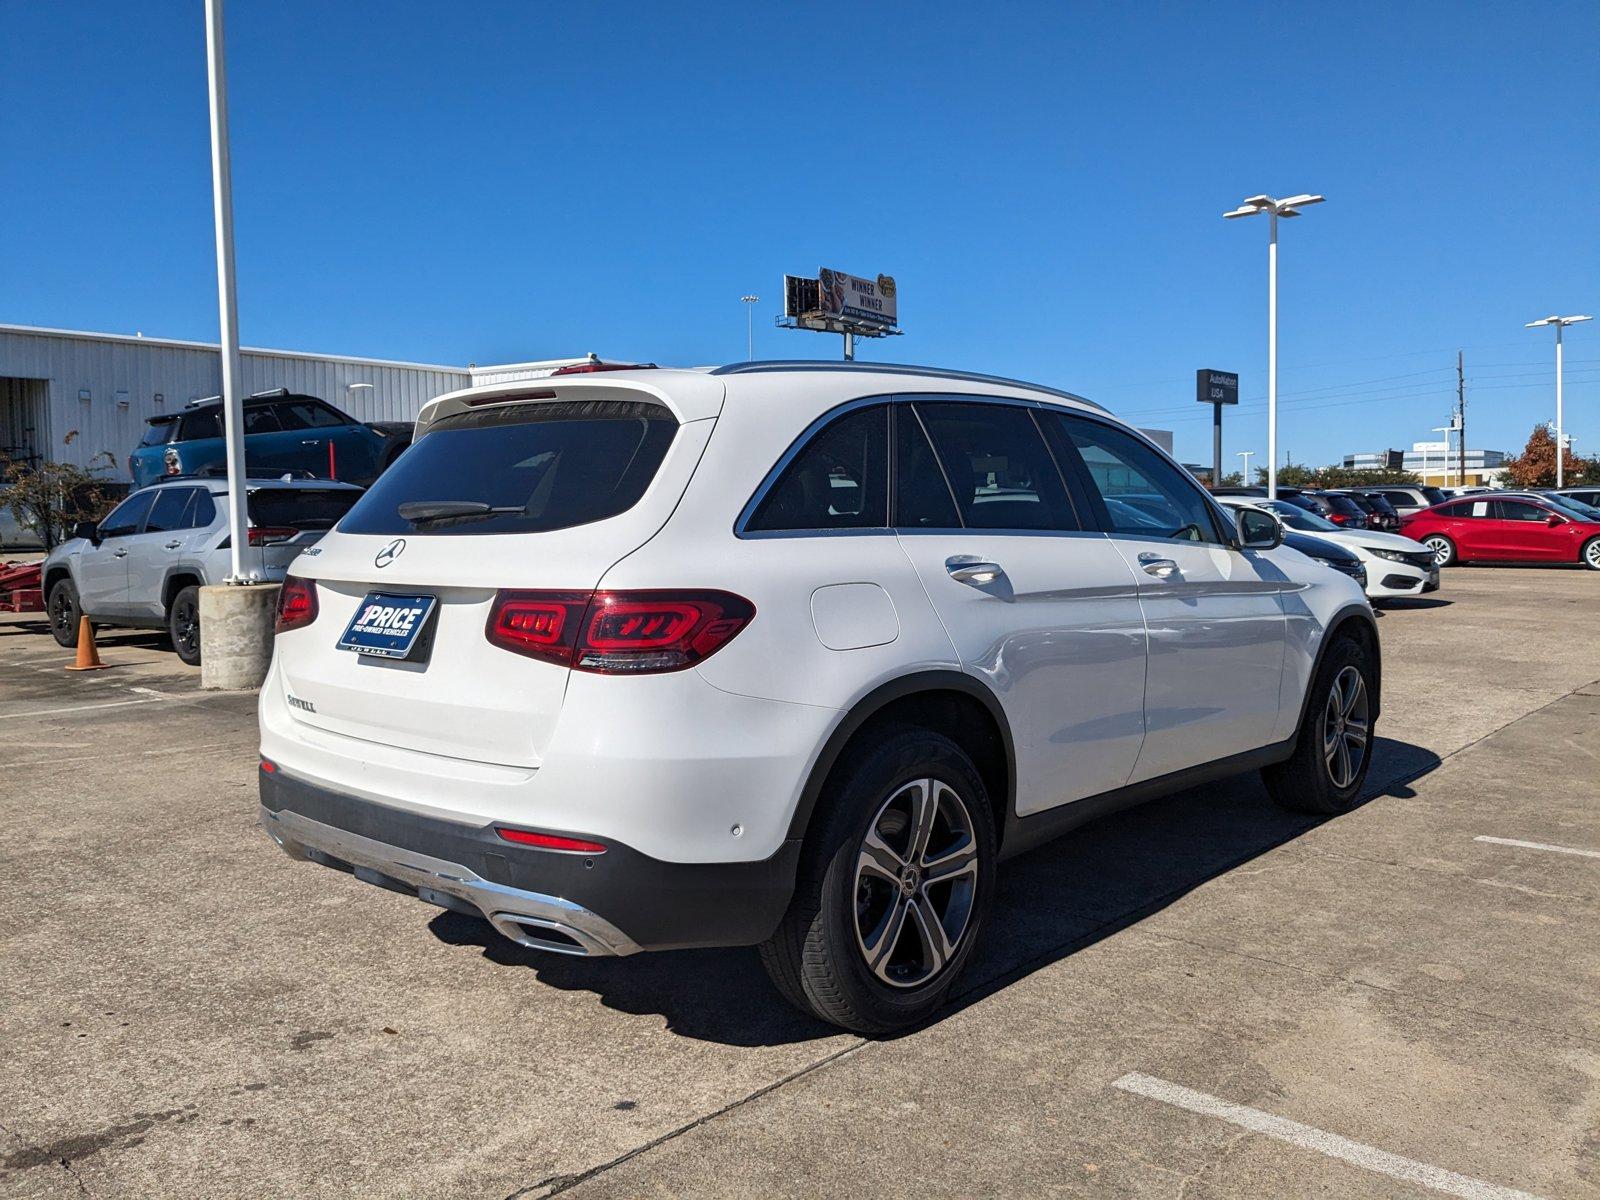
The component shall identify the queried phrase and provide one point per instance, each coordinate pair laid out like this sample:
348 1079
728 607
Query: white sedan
1396 566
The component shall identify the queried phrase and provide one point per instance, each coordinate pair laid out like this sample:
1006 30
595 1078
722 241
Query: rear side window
261 419
204 424
527 468
306 414
204 511
159 432
1465 509
299 508
170 511
1000 472
838 480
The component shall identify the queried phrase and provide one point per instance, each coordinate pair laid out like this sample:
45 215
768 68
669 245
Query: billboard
852 299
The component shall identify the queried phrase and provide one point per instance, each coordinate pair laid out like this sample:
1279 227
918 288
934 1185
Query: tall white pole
1272 357
749 333
227 300
1247 455
1559 454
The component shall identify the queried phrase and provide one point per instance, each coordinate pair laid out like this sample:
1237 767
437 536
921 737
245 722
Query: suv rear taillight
267 535
297 603
617 633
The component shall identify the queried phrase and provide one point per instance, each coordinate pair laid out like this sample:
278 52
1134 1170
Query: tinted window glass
204 424
306 414
1344 505
260 419
1466 509
839 480
921 496
126 517
1434 495
999 469
1130 475
1517 510
537 466
300 508
204 511
169 510
159 432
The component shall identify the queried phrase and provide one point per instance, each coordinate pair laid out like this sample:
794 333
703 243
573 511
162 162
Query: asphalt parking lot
1205 997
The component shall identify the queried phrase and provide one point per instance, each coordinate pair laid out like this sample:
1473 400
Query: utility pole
1461 422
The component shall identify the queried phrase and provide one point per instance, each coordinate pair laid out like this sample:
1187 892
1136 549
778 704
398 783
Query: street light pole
1444 470
1274 208
1560 323
750 303
1247 455
227 298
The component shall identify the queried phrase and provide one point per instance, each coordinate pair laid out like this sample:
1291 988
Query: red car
1522 528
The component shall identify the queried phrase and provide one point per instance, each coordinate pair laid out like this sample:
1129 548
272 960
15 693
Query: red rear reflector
549 841
268 766
297 603
617 633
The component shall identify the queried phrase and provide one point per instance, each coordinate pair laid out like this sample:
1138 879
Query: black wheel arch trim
874 702
1340 619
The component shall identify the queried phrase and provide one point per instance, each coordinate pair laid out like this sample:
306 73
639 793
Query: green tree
48 498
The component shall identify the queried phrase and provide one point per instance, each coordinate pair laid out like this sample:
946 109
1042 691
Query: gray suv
144 564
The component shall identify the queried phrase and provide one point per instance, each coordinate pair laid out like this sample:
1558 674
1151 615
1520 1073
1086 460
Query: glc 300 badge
389 553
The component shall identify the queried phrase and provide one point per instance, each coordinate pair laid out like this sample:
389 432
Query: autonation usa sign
851 298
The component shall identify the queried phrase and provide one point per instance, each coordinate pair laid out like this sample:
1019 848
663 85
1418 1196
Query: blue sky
500 181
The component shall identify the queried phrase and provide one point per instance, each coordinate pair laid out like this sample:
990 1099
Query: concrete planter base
236 635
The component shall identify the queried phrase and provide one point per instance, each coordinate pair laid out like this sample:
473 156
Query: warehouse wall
103 387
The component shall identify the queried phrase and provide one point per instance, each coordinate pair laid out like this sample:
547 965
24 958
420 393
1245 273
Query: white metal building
71 396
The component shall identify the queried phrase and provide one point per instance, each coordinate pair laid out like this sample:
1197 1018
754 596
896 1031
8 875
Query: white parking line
49 712
1310 1138
1539 846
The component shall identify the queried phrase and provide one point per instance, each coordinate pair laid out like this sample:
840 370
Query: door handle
173 545
311 441
1155 564
964 569
119 554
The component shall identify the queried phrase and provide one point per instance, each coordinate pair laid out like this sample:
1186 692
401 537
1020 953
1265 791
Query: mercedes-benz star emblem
389 553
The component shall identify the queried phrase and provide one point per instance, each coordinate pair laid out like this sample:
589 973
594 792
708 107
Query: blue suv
284 431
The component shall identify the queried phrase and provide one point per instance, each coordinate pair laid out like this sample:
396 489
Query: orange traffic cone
88 652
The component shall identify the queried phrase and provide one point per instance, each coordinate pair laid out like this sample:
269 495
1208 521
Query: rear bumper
614 903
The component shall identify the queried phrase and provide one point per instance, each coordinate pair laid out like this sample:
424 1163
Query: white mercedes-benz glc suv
788 655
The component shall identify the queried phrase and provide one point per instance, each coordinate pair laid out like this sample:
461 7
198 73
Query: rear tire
1444 550
1333 750
183 625
64 612
1590 555
871 943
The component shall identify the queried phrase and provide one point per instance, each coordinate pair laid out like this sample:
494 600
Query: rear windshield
536 466
1345 505
160 432
299 508
1434 495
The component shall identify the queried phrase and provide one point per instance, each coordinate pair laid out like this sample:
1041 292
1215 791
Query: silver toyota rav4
144 564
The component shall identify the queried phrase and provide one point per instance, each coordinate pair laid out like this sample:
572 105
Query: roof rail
277 391
805 364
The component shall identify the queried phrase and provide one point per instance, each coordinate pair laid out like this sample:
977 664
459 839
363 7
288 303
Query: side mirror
1258 529
87 530
1552 519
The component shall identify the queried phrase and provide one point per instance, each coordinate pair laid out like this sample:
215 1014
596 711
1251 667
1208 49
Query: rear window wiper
420 512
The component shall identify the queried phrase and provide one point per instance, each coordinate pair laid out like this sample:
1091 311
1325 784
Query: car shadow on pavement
1410 603
1052 902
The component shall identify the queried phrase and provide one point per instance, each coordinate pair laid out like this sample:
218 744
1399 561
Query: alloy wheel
186 626
61 612
1345 727
1441 550
1592 554
916 881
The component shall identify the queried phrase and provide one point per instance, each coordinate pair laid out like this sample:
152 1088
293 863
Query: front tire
65 613
1444 550
892 889
1590 555
1333 750
183 625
